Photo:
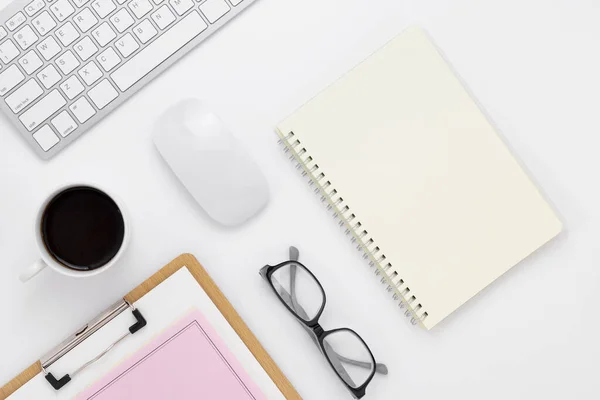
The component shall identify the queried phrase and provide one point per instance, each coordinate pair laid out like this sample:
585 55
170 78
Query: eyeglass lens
299 290
349 356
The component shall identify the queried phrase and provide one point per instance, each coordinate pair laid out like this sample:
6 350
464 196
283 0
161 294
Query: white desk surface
535 67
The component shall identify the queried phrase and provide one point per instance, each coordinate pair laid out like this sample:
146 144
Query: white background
535 67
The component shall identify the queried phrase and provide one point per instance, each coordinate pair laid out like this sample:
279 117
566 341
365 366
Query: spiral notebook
419 177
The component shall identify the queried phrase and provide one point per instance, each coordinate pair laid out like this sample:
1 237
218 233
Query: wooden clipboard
215 294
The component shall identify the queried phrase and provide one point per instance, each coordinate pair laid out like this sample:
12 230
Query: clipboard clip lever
85 332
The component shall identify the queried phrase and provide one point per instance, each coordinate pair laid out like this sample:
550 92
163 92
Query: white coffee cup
47 260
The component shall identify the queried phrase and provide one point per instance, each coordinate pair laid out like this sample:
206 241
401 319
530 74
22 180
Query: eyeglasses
302 294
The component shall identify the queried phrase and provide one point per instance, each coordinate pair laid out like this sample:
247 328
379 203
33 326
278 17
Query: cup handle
32 271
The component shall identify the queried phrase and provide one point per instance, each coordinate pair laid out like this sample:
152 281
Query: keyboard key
103 94
80 3
3 33
44 23
8 51
67 62
24 96
62 10
103 7
109 59
122 20
214 9
48 48
26 37
158 51
235 2
16 21
64 124
67 34
82 109
34 7
85 20
49 76
157 2
140 7
10 78
104 34
46 138
181 6
71 87
42 110
163 17
31 62
85 48
127 45
90 73
145 31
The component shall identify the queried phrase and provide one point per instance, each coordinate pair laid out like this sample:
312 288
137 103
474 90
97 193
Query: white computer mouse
210 163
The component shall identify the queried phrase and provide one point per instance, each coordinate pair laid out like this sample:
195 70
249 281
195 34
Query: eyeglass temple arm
379 368
294 256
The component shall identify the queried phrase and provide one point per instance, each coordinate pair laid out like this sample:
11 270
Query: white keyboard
66 64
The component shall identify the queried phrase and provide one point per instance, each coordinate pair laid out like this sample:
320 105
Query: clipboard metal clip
85 332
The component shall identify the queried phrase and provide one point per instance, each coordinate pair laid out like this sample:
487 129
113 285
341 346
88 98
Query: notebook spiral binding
336 204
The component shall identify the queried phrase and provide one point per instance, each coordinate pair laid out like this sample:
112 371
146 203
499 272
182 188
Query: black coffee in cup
82 228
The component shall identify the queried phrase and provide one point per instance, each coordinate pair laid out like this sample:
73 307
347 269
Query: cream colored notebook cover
419 177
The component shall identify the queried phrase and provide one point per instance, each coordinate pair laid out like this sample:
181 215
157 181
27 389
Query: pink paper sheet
188 361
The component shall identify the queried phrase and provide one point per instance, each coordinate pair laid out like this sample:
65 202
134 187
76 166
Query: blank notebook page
425 172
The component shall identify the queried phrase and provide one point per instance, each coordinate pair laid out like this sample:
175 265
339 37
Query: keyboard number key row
62 10
8 51
44 23
80 3
26 37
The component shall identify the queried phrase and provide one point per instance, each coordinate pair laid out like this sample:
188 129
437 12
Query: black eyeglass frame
317 330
